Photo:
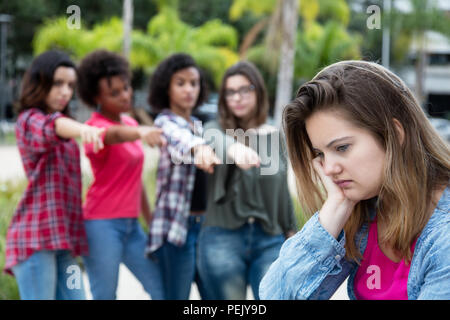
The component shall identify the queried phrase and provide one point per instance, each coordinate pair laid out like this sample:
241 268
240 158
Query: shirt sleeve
310 266
436 267
37 131
180 141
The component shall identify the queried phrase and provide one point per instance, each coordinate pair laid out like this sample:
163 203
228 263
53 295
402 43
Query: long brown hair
38 80
226 118
371 97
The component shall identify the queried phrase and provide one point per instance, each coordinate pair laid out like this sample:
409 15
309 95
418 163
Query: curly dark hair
38 80
160 81
95 66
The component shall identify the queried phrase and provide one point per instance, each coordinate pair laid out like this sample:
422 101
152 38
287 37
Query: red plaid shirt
49 215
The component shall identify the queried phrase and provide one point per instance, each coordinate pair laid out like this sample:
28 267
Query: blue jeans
178 264
49 275
115 241
229 260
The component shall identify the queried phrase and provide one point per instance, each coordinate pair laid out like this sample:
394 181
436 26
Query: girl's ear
400 131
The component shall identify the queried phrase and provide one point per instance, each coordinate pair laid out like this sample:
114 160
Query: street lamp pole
127 26
386 34
4 20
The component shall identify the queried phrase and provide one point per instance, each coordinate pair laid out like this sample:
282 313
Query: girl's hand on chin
337 208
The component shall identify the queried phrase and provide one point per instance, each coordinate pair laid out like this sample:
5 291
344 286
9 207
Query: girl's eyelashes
115 92
192 83
57 83
342 148
318 154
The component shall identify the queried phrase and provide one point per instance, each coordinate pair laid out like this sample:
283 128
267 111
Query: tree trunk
127 26
286 59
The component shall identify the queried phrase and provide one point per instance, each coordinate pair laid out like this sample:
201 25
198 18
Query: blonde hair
371 97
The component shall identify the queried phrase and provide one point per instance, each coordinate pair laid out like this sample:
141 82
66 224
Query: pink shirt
378 277
117 169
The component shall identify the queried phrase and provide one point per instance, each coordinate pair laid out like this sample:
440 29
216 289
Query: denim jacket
312 264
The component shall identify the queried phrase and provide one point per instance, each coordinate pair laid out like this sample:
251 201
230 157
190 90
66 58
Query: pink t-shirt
378 277
117 169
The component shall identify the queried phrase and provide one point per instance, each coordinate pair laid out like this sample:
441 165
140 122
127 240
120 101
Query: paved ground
128 288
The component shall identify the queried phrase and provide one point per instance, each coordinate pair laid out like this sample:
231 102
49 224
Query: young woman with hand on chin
385 218
117 195
47 229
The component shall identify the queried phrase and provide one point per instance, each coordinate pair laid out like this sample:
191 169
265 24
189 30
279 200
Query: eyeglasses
242 91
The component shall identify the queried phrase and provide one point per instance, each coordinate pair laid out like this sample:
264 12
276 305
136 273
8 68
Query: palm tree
282 40
212 44
289 21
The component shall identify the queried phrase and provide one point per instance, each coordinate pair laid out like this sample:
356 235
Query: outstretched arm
67 128
122 133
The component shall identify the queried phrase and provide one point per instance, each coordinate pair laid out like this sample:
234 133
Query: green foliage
336 10
149 180
257 7
320 46
212 44
55 34
214 33
316 47
300 215
8 138
322 36
78 42
310 10
10 194
28 15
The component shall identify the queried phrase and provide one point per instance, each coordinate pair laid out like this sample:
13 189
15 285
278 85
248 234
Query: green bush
8 138
301 217
149 179
10 194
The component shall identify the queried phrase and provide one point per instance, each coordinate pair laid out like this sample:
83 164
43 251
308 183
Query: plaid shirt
49 215
175 180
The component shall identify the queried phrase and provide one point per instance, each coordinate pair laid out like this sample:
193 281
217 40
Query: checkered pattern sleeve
180 140
37 130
